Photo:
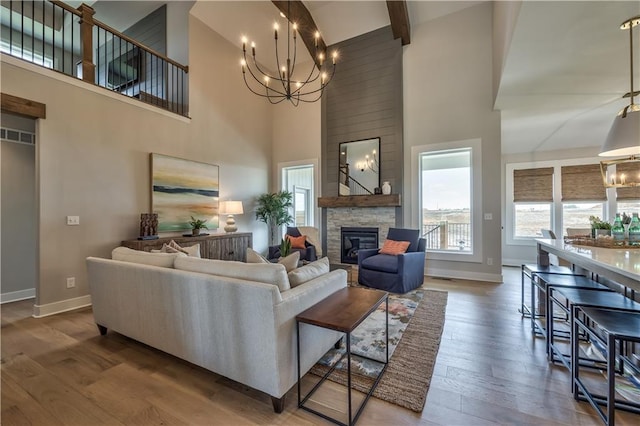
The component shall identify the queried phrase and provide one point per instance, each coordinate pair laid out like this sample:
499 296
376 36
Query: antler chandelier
284 85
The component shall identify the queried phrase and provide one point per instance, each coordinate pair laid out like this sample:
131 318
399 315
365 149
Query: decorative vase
386 188
195 231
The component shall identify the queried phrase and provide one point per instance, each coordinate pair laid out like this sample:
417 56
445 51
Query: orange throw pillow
297 242
394 248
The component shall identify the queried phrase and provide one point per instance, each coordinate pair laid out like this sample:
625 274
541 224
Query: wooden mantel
391 200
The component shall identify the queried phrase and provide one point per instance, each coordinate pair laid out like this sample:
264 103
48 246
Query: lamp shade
231 207
624 136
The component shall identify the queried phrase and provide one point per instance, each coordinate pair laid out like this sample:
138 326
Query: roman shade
631 193
533 185
582 183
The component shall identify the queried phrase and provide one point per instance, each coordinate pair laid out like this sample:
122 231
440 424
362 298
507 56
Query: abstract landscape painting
181 189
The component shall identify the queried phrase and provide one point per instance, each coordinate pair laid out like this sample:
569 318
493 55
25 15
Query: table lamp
230 208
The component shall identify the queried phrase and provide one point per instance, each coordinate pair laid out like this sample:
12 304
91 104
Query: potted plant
197 225
285 247
599 226
273 209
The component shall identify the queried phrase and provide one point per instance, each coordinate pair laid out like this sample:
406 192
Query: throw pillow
297 242
271 273
255 257
394 248
165 260
290 262
175 246
308 272
193 251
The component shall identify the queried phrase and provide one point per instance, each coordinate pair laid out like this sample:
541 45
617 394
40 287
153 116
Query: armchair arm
411 264
363 254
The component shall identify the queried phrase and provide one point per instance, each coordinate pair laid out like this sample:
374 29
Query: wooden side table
343 311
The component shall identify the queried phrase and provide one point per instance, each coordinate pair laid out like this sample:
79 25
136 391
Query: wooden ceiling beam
306 26
399 17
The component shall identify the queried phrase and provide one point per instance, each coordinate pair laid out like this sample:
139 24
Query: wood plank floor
59 371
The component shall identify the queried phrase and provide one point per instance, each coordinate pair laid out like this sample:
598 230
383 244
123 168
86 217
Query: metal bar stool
544 281
581 298
530 270
617 327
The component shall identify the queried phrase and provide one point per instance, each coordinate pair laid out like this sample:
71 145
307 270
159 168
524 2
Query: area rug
416 320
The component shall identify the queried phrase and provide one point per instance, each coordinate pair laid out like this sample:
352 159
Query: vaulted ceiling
564 73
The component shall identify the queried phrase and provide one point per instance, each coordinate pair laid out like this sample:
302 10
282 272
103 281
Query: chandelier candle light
624 137
282 85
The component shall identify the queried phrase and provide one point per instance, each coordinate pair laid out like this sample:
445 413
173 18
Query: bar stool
581 298
617 327
544 281
530 270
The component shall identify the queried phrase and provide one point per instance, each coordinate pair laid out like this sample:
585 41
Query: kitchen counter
620 265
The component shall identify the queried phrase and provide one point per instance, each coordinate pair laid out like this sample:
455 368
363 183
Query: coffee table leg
298 352
349 375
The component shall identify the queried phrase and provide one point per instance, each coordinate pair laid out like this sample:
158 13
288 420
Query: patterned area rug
416 320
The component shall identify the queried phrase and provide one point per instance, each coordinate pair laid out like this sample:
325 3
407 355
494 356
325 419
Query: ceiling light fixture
277 87
624 137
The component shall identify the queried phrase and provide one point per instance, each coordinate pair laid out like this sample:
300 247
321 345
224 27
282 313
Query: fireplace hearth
353 239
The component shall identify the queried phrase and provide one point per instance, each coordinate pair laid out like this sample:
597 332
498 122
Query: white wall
93 155
448 97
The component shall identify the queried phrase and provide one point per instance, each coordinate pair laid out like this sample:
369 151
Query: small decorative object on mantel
148 226
386 188
377 191
197 225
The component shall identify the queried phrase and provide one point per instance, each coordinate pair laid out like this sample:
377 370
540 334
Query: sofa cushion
394 248
126 254
290 262
193 251
271 273
308 272
380 262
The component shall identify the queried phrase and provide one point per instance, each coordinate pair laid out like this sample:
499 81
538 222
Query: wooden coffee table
343 311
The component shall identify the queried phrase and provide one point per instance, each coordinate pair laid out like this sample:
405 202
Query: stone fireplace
380 212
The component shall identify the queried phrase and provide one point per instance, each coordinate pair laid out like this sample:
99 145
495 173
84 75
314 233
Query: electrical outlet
489 261
71 282
73 220
488 216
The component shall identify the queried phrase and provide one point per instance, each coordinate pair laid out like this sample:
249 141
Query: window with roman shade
632 193
582 183
533 185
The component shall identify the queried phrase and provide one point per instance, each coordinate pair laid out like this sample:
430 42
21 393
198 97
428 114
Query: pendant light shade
624 136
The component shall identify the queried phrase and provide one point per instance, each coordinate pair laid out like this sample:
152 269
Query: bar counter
620 265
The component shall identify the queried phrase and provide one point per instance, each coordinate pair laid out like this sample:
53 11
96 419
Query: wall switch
488 216
489 261
73 220
71 282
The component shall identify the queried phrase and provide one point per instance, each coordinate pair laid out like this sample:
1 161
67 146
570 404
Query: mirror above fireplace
359 172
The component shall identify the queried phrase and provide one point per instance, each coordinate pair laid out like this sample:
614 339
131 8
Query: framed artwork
181 189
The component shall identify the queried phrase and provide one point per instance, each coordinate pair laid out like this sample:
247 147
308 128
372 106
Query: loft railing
54 35
447 236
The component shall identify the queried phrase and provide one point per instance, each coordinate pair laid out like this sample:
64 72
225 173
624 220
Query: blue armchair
309 253
396 274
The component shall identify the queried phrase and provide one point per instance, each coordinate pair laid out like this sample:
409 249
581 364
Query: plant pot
602 232
195 231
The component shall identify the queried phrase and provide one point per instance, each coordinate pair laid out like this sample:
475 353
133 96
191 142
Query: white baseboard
40 311
14 296
463 275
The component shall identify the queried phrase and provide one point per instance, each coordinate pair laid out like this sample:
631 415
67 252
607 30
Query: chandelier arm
266 74
295 51
257 93
284 85
260 83
321 88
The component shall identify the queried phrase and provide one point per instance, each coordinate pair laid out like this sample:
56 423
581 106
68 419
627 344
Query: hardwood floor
59 371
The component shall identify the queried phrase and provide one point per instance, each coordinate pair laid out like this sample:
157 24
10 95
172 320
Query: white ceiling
563 77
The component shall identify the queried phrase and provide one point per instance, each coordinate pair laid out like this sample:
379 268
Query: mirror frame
372 167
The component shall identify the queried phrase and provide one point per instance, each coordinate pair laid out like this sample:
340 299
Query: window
532 197
530 218
576 215
299 180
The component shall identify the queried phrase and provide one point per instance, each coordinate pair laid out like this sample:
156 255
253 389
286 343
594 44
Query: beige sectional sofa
231 318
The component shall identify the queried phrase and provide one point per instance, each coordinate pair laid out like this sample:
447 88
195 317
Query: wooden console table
228 246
